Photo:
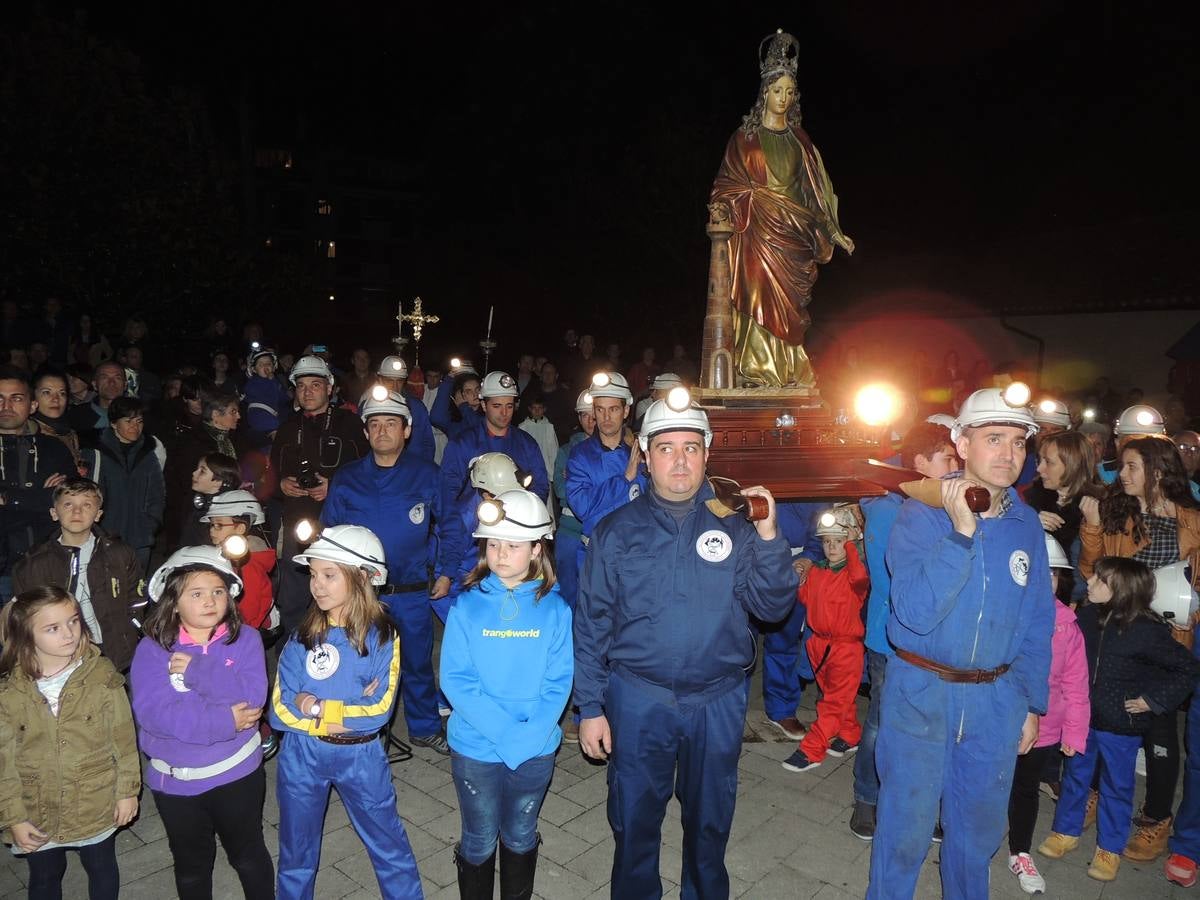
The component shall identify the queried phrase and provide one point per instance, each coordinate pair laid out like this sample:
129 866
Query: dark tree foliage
114 199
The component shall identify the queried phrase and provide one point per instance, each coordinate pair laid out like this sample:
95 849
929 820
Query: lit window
324 208
267 242
332 251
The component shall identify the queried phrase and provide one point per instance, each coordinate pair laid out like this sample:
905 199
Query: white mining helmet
235 503
498 384
1052 412
310 365
257 353
1140 419
611 384
829 524
1058 559
209 557
583 403
350 545
379 401
514 516
497 473
674 412
458 366
666 381
1174 598
996 406
393 367
944 419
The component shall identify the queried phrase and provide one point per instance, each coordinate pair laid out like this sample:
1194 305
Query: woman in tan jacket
1149 515
70 774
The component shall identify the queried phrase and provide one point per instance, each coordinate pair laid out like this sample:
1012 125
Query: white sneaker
1140 765
1027 873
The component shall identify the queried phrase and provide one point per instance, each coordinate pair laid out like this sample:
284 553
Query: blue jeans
496 801
784 664
1118 752
866 776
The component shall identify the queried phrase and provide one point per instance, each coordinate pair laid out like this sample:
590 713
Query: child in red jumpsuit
834 594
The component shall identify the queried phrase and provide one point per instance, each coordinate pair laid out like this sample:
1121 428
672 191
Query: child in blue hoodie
507 665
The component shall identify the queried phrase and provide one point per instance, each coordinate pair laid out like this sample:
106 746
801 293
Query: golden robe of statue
784 213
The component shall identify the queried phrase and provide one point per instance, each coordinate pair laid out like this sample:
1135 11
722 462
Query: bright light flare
828 519
305 531
490 512
1144 418
601 379
679 399
1017 394
235 547
877 404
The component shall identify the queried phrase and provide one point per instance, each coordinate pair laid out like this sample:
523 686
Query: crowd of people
207 566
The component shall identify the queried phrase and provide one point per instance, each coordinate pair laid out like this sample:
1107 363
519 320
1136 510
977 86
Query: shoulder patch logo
322 661
635 491
1018 567
416 515
714 546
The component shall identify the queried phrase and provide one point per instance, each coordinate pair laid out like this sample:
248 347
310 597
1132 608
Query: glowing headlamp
587 398
255 345
828 520
492 512
397 365
601 379
235 547
455 362
679 399
877 404
1017 394
1047 406
1089 415
379 393
1144 418
307 531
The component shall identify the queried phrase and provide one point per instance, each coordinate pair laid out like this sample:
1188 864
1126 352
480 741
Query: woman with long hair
1066 474
1148 514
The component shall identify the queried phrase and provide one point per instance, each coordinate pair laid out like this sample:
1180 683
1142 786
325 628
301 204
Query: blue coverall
402 505
662 639
596 483
569 532
420 441
336 675
971 603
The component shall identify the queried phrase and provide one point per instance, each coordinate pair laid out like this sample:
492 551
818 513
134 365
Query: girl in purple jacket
1063 728
199 684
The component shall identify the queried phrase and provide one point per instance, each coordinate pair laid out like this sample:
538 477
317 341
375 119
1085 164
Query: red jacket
834 598
257 597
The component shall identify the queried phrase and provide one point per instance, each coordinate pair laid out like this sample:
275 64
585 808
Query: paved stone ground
789 839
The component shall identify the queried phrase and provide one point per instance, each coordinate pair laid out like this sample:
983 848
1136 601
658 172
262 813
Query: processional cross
418 320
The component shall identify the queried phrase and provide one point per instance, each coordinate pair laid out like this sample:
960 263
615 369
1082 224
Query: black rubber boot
516 872
475 882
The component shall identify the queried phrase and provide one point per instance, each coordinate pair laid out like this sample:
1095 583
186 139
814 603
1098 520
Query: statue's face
781 95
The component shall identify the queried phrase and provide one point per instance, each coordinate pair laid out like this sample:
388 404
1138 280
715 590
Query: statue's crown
781 57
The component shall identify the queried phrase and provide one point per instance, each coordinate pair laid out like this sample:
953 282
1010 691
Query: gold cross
417 319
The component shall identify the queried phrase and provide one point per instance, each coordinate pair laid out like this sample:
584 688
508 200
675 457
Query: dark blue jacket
596 483
132 482
670 604
402 505
420 441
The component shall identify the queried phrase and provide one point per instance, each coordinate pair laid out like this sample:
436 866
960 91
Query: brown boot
1149 842
1104 865
1089 814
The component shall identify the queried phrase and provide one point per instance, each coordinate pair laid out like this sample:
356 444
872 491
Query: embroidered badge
177 683
321 661
635 491
416 515
1018 567
714 546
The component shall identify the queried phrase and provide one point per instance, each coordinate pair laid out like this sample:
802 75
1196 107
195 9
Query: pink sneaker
1180 870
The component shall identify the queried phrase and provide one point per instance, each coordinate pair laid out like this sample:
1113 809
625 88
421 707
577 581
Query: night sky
1033 154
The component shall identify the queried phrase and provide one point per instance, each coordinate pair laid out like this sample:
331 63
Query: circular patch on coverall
1018 567
322 661
714 546
416 515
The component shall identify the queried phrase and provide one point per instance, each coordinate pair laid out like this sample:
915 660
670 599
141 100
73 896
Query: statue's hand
846 244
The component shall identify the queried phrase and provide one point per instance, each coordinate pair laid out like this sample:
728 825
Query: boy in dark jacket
102 572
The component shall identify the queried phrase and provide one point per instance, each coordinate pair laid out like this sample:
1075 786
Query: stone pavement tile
747 817
794 797
670 865
335 815
746 781
446 828
339 844
158 886
591 825
10 882
564 778
422 774
423 843
439 868
836 858
416 805
142 861
332 884
595 865
562 846
148 828
558 810
784 883
829 892
446 794
553 882
589 791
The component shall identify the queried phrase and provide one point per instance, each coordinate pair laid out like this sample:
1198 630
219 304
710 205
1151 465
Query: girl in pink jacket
1064 727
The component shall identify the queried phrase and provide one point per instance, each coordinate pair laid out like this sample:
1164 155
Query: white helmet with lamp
514 516
498 384
311 365
234 504
674 412
1052 412
185 557
944 419
996 406
257 353
1058 558
393 367
497 473
379 401
459 366
350 545
830 525
666 381
583 403
611 384
1140 419
1174 598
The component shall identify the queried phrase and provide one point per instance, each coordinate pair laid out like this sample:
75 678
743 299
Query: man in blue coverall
972 613
662 639
604 471
393 375
397 496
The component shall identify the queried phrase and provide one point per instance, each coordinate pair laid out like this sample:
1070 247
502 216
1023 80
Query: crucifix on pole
418 320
